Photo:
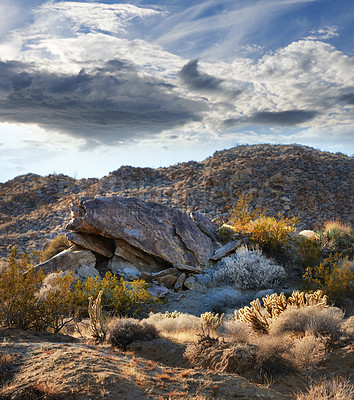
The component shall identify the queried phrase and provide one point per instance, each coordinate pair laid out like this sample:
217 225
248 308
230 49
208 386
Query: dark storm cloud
280 118
195 80
111 102
347 98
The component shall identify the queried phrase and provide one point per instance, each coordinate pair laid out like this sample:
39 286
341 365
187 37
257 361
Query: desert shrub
307 353
333 276
225 233
336 237
6 365
274 305
242 214
177 323
336 388
123 331
237 331
219 356
221 299
54 247
348 327
307 251
19 284
318 321
26 304
57 301
120 297
248 269
272 234
271 361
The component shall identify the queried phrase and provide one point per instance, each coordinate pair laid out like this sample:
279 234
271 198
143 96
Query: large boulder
166 234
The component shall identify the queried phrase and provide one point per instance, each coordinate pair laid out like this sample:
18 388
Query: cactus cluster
210 323
274 304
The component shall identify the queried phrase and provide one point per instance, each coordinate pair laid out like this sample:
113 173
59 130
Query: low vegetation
54 247
31 301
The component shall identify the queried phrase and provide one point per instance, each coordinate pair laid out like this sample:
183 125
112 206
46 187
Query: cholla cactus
300 299
173 314
96 320
210 323
254 316
274 305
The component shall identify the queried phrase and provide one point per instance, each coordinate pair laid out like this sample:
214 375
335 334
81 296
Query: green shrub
24 305
272 234
19 284
336 237
31 301
225 233
307 251
120 297
56 246
123 331
241 214
333 276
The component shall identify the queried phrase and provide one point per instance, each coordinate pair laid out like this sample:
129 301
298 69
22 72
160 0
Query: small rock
226 249
179 282
167 281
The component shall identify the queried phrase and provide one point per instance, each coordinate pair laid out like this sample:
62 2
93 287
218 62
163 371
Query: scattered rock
179 282
167 281
226 249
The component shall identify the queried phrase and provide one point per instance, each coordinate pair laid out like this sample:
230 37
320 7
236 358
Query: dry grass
184 328
336 388
312 319
337 225
236 331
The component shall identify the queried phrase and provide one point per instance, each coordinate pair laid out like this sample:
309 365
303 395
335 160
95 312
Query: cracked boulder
145 234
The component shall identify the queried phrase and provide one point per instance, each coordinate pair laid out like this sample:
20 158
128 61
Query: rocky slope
296 180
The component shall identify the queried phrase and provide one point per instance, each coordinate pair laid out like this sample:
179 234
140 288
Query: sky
88 86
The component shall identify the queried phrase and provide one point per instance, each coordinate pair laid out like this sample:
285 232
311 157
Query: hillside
298 181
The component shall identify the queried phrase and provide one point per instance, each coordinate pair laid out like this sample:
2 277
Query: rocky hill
298 181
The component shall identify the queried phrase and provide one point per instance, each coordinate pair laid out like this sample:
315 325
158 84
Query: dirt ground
54 367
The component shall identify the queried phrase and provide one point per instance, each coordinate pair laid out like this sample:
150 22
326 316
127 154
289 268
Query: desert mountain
298 181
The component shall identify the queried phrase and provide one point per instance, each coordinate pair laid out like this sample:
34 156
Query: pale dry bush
348 327
236 331
312 319
307 352
183 325
272 356
335 389
123 331
248 269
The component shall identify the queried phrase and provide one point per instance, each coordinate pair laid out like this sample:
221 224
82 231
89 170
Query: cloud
347 98
112 97
196 80
278 118
324 34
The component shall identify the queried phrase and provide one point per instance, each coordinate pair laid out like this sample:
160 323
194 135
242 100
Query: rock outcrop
164 234
299 181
